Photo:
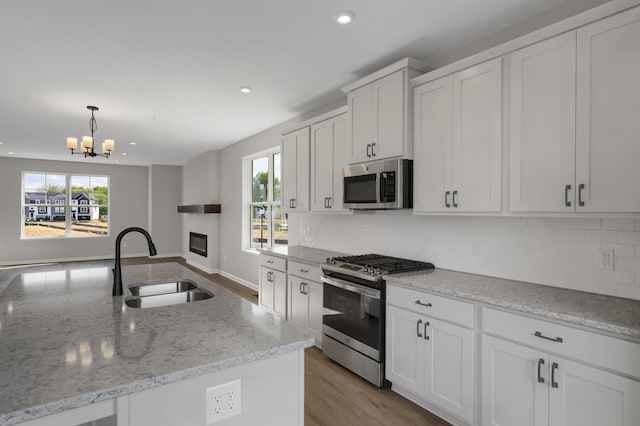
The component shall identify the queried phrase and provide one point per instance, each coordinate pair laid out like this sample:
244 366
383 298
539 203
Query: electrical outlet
606 259
223 401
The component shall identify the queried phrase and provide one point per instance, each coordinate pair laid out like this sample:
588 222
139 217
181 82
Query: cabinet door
361 123
405 349
266 288
322 165
433 145
608 108
389 113
314 300
449 367
511 393
340 160
542 123
587 396
295 170
297 302
477 138
280 293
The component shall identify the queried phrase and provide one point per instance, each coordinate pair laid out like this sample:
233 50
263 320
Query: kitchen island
71 353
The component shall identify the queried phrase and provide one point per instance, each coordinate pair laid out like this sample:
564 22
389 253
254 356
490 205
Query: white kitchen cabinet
458 142
607 115
272 292
305 298
295 170
528 378
429 358
329 154
542 125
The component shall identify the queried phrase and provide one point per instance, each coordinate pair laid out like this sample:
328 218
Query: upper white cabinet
542 126
329 154
295 170
458 141
574 111
608 114
379 124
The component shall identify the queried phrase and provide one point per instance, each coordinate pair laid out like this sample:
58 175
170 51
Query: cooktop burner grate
387 263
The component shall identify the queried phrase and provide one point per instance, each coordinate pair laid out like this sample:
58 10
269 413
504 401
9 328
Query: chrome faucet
117 269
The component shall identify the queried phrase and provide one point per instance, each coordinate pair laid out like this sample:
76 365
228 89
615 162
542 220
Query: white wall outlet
223 401
606 259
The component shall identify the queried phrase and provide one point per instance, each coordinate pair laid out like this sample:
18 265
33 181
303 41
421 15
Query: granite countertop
308 255
606 313
66 343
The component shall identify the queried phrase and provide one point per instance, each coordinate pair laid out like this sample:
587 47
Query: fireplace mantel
200 208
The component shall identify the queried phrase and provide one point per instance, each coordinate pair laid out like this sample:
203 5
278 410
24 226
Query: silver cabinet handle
426 335
554 367
304 271
540 364
329 202
580 188
418 328
293 203
368 148
542 336
453 198
418 302
302 287
447 204
373 154
567 188
269 261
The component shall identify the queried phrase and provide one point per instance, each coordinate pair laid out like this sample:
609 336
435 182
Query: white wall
201 185
561 252
165 194
128 207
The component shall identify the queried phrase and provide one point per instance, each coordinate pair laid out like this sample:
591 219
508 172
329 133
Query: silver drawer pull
542 336
269 261
304 270
428 304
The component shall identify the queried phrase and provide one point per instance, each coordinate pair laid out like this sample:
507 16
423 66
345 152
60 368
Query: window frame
269 203
68 206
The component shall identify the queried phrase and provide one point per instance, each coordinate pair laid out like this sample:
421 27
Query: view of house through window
59 205
268 224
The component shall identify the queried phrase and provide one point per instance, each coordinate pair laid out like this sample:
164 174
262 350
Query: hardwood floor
333 395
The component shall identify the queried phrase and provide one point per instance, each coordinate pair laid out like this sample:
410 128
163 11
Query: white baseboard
202 268
239 280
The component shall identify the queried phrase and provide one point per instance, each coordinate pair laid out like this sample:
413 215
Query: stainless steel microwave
384 184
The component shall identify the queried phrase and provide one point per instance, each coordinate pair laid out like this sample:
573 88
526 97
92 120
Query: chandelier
86 147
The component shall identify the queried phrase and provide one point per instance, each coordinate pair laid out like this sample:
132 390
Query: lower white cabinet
432 360
272 293
523 386
305 298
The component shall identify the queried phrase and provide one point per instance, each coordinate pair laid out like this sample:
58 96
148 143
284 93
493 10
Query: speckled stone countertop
308 255
611 314
66 343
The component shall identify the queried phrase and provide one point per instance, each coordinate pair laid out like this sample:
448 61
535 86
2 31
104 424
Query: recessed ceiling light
245 89
10 152
132 143
345 17
124 153
0 143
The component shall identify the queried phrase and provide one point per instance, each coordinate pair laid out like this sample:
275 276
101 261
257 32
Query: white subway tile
637 224
571 234
609 289
534 222
627 264
620 250
585 223
618 277
601 236
618 224
557 245
629 237
585 248
629 291
558 222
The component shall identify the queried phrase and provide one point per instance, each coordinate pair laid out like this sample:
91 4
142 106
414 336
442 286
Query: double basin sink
150 294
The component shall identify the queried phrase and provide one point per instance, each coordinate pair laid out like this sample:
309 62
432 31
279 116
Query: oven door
353 315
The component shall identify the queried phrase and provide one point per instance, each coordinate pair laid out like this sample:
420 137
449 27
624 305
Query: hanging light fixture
86 147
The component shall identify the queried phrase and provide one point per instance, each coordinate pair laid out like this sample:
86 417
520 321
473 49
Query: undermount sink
151 294
152 288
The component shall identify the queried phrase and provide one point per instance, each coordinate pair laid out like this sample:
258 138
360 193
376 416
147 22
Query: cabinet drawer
604 351
273 262
304 271
429 304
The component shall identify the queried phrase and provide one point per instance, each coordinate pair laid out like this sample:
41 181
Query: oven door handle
349 286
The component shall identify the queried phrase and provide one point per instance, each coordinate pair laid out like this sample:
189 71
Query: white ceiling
166 74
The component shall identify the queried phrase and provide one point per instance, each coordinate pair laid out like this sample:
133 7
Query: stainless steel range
353 321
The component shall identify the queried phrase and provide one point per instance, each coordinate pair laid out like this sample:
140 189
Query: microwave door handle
382 187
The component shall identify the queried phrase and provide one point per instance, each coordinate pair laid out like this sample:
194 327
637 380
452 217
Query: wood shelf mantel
200 208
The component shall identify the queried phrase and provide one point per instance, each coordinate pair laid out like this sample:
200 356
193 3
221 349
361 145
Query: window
267 223
58 213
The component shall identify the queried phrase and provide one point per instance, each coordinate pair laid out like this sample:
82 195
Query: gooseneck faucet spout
117 269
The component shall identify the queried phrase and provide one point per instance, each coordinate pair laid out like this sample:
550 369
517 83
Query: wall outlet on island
605 257
223 401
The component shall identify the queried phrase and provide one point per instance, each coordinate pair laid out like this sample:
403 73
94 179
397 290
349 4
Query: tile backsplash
561 252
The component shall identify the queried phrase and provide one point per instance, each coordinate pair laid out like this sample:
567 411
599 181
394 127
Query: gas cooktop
373 266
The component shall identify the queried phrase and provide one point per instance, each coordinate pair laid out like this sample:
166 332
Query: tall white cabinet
458 141
295 170
329 154
574 126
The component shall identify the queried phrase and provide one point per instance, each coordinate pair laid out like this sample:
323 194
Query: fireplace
198 243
